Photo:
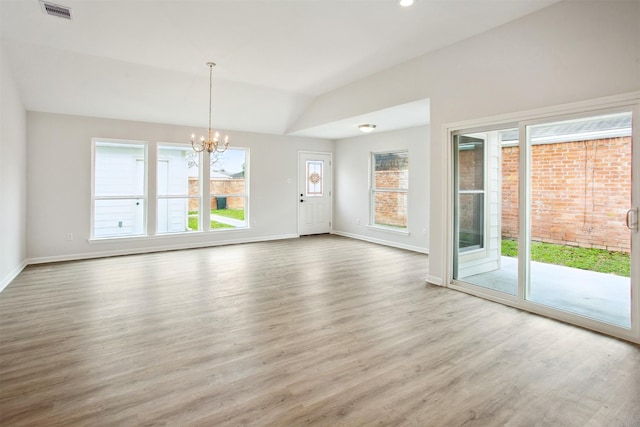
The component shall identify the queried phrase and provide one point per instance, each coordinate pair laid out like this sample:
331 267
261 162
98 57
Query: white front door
314 191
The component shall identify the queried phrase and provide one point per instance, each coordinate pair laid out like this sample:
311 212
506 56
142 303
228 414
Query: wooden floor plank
319 330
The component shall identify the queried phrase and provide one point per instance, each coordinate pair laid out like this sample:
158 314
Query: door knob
631 219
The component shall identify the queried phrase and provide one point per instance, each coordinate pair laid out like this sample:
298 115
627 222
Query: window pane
178 171
177 215
510 186
119 189
471 195
315 170
390 209
390 182
484 253
119 169
118 217
228 189
470 163
471 218
580 190
391 170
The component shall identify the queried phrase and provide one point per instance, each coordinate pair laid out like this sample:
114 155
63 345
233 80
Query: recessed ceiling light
406 3
367 127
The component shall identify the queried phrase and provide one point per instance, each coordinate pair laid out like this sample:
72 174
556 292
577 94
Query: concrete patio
599 296
229 221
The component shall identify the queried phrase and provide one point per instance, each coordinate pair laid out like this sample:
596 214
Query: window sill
389 230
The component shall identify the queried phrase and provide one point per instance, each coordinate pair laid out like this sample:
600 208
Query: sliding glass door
580 191
545 216
483 195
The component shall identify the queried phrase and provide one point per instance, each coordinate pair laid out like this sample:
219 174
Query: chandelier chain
212 142
210 90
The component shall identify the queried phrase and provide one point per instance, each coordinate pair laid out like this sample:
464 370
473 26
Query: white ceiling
145 60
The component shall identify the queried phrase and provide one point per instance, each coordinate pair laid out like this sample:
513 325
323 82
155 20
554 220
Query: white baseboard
175 247
382 242
9 278
435 280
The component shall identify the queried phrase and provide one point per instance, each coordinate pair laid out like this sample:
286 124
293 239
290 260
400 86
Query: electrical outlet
69 237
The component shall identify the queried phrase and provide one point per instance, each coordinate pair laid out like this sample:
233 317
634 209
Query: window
181 200
119 189
389 189
178 189
315 183
470 169
228 189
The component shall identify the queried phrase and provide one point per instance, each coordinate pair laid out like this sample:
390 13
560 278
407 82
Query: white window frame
95 142
186 196
373 190
210 196
483 248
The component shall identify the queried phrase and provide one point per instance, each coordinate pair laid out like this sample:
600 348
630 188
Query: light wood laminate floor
319 330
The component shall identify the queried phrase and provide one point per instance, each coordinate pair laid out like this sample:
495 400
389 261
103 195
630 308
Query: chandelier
212 142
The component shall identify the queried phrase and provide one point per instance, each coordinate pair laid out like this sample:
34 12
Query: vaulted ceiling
145 60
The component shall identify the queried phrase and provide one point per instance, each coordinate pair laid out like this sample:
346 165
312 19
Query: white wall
13 177
59 185
569 52
352 186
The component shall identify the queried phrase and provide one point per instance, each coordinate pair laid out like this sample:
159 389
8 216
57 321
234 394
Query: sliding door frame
626 102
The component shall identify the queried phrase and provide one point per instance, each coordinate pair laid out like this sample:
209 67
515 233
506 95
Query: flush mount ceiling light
213 142
406 3
367 127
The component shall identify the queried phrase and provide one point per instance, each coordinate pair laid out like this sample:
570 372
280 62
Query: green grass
229 213
599 260
193 224
215 224
510 248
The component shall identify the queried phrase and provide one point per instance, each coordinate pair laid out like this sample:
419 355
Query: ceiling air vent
56 10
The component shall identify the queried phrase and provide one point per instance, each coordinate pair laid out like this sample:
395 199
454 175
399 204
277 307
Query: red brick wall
391 208
510 182
580 192
220 186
